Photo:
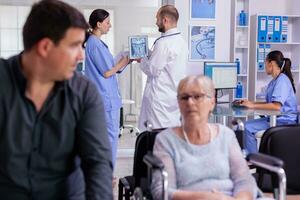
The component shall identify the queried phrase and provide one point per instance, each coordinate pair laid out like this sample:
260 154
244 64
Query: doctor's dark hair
169 11
50 19
283 63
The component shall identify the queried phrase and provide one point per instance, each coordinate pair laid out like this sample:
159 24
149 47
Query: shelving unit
240 40
290 49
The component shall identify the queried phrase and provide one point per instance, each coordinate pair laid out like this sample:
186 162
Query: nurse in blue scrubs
101 68
280 95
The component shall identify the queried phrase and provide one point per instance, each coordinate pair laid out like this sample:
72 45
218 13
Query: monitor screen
223 74
138 46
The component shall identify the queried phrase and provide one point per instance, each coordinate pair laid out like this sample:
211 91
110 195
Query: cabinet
240 40
289 46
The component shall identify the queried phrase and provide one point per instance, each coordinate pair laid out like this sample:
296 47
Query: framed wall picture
202 43
203 9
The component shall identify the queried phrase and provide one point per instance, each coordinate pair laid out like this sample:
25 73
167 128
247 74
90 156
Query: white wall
222 24
272 7
295 7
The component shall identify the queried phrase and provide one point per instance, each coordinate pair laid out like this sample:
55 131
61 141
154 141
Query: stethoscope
163 36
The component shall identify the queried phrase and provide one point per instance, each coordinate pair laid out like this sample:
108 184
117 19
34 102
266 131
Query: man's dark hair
51 19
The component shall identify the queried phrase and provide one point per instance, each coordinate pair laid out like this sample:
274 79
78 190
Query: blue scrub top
281 90
98 60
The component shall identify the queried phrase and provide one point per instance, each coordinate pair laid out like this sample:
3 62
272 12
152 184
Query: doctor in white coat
164 68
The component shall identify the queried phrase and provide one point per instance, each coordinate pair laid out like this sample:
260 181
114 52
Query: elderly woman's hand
216 195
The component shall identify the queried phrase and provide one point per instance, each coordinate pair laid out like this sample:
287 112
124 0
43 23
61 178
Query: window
12 19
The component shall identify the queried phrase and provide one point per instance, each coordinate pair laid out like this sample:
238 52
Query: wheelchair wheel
138 194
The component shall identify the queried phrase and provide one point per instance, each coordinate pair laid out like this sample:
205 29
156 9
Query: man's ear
44 46
165 20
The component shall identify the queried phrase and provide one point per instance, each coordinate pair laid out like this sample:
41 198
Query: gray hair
203 81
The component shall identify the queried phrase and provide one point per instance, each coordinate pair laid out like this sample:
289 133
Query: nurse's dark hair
283 63
50 19
98 15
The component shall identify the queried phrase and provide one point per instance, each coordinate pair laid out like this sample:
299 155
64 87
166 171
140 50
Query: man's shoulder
81 85
4 65
6 69
175 42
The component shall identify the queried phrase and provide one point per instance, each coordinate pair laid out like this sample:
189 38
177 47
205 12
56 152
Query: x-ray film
138 46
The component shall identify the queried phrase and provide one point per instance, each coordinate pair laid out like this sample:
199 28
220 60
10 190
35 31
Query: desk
226 110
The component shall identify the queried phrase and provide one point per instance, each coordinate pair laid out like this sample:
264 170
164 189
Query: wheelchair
266 162
144 144
138 185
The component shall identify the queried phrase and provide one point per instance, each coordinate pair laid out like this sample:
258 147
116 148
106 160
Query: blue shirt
99 60
281 90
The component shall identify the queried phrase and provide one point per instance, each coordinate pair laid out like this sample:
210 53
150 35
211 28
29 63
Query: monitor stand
216 97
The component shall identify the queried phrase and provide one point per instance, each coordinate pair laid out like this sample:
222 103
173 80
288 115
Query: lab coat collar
171 31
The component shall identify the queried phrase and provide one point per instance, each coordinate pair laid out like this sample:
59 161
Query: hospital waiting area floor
124 164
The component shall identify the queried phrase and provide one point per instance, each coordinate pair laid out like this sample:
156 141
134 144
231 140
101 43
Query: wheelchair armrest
272 164
263 159
125 183
153 161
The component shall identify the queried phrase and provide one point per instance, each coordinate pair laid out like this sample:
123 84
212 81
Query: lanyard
164 37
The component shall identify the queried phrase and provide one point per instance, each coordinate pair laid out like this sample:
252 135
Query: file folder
284 29
262 29
270 29
267 49
277 29
260 57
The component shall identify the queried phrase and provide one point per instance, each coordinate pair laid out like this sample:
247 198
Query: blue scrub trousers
113 128
252 127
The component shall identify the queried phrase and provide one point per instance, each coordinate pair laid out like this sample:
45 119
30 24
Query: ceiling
107 3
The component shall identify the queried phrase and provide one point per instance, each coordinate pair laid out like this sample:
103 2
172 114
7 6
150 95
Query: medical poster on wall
202 9
202 43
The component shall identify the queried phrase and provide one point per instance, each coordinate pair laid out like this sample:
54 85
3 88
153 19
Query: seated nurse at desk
280 95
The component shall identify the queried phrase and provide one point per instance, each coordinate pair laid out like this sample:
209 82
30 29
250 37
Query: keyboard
237 104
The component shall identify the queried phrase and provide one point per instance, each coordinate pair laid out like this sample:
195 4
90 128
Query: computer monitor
223 74
138 46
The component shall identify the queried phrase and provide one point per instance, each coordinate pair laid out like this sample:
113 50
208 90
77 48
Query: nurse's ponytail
283 63
88 32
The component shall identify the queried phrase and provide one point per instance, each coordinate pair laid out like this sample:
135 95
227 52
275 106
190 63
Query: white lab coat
165 67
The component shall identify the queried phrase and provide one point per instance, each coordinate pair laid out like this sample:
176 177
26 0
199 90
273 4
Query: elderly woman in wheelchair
203 160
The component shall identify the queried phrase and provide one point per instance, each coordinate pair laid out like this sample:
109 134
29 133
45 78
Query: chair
128 126
144 144
282 142
273 165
